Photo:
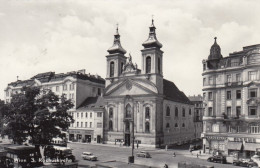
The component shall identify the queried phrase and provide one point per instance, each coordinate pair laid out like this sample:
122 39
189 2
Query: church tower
152 62
115 60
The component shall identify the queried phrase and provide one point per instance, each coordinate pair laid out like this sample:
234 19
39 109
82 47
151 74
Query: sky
39 36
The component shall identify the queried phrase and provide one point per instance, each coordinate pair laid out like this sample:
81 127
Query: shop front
81 135
214 144
240 147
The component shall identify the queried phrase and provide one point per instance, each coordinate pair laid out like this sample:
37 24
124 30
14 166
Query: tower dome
116 48
215 51
152 39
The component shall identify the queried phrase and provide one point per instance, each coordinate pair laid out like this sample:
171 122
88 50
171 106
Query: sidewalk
118 146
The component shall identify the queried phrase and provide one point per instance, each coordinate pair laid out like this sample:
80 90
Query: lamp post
131 158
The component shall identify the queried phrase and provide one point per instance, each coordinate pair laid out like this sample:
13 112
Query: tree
37 114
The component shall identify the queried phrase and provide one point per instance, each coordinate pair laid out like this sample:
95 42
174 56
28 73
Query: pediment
253 84
130 87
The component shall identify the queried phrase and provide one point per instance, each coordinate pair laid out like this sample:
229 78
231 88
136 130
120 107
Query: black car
245 163
217 158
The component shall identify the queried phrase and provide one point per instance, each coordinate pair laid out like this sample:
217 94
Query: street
159 156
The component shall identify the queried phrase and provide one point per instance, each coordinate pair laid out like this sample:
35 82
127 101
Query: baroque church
140 103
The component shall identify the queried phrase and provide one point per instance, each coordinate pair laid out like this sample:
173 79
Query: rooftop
92 102
51 77
196 98
171 92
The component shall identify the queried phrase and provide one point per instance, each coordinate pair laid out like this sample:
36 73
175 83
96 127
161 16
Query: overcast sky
59 35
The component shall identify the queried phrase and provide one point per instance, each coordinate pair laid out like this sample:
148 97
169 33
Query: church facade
140 103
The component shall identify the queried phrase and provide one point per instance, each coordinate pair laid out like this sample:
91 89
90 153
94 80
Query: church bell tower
152 59
116 60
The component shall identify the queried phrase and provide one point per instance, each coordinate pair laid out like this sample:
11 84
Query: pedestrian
174 155
197 155
137 145
200 152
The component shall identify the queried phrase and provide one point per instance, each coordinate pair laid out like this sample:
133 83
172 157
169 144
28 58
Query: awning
251 146
234 145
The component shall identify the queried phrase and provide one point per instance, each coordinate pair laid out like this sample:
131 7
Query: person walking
174 155
197 155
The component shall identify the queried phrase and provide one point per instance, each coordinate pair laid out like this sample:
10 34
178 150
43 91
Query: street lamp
132 158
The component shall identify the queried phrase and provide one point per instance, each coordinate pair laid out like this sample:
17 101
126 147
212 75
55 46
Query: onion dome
215 51
116 48
152 40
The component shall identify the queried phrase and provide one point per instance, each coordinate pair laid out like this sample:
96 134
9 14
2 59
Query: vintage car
245 163
217 158
143 154
88 156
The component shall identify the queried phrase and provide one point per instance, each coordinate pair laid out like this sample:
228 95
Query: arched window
176 112
176 125
183 112
190 112
127 126
147 112
147 127
110 112
110 125
159 65
167 125
112 69
148 64
128 111
168 111
183 125
122 67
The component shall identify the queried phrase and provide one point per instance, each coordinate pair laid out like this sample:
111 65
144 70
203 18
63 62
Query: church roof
171 92
92 102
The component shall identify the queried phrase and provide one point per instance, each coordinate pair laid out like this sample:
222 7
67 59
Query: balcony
233 84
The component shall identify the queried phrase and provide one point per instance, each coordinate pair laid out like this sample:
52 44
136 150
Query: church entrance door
127 139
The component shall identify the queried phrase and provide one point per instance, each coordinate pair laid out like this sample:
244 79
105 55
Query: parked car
143 154
88 156
245 163
217 158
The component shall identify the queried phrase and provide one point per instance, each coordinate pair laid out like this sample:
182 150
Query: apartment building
231 88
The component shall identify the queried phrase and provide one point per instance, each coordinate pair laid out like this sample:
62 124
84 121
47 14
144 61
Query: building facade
88 121
140 103
231 87
82 89
198 114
